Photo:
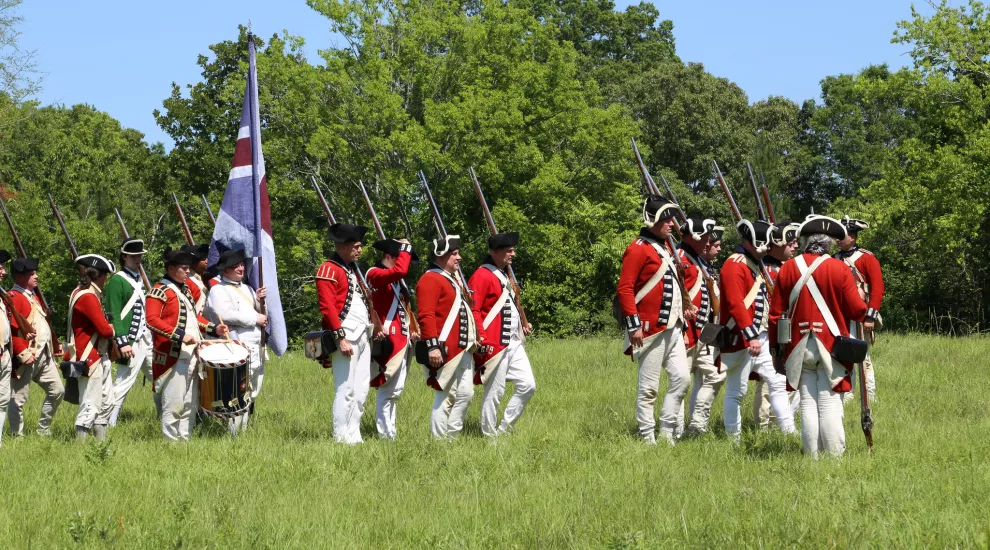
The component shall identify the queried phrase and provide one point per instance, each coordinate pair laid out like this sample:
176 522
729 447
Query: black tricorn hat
854 226
822 225
199 251
5 256
230 258
96 262
24 265
178 257
503 240
783 233
657 208
757 233
697 227
445 245
717 232
393 247
341 233
133 246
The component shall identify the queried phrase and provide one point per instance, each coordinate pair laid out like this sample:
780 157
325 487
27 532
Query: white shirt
358 319
237 305
4 324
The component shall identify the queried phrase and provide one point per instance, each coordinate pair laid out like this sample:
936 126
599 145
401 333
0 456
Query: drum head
223 354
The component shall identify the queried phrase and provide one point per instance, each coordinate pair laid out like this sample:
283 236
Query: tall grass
573 475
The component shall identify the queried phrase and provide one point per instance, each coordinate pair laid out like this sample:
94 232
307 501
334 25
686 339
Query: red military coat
838 290
489 285
33 312
168 317
867 275
385 298
89 323
695 275
640 262
436 294
334 292
737 280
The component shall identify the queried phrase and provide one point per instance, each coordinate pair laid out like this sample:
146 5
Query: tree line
541 98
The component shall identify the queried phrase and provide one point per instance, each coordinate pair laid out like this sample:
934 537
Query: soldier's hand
261 293
380 334
126 352
868 326
59 350
636 338
223 331
690 313
528 329
31 359
436 359
414 336
345 347
262 320
754 348
188 339
403 241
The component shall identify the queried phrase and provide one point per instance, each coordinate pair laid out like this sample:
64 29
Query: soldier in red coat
654 312
176 329
5 350
347 314
449 334
35 358
745 310
819 307
503 335
89 346
198 281
696 236
783 243
869 278
391 302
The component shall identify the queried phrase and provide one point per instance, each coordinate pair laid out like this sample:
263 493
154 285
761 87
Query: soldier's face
712 251
3 271
32 280
503 256
450 261
179 273
848 242
666 227
132 261
791 248
235 273
351 251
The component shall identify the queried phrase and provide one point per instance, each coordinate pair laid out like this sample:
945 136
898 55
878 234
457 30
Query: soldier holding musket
869 278
125 297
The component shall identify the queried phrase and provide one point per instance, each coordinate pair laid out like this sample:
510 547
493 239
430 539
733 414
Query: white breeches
44 372
707 383
821 409
762 412
179 389
96 397
388 399
351 376
450 407
127 374
513 367
737 366
256 371
5 368
664 353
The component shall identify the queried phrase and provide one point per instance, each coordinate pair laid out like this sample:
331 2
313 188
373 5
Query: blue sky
123 55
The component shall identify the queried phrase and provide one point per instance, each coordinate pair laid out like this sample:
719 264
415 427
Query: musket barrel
756 194
127 235
209 209
182 221
323 201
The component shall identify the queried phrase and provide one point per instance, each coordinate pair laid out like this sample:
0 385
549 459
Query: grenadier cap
24 265
822 225
96 262
133 246
231 258
392 247
341 233
696 228
853 226
503 240
756 233
177 257
198 251
445 245
657 208
5 256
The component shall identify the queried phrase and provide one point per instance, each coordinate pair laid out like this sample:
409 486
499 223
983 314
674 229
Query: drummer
176 329
238 305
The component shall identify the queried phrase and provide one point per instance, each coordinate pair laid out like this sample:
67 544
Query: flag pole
255 126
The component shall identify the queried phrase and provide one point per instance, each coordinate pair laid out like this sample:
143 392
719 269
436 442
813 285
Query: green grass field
573 475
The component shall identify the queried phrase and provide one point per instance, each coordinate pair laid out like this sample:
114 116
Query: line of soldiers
726 328
470 335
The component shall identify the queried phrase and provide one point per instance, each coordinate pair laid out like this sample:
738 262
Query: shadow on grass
769 444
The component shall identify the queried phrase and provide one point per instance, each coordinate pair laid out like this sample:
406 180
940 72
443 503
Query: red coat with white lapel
384 284
168 318
89 322
640 262
333 292
868 275
736 281
838 290
486 289
694 277
435 294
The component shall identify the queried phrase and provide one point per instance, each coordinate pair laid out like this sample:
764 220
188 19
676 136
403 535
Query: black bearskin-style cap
657 208
341 233
133 247
231 258
96 262
445 245
177 257
696 228
392 247
25 265
503 240
756 233
822 225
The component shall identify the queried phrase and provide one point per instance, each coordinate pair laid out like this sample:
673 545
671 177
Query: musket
182 220
739 217
866 419
766 198
438 220
26 329
362 282
756 193
413 322
494 230
127 235
209 209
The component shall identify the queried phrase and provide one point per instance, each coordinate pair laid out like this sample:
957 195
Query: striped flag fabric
245 219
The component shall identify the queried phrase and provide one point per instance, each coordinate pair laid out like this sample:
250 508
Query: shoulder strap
72 335
502 298
658 276
455 308
816 294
